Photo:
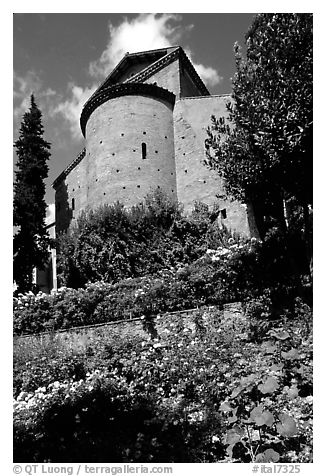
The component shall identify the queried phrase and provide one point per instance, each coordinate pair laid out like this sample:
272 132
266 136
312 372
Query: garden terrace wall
82 336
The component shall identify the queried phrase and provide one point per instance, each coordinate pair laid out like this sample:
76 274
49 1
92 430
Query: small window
143 150
138 186
223 213
73 204
186 171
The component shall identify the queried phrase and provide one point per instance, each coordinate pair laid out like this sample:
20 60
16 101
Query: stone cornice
69 168
166 60
122 89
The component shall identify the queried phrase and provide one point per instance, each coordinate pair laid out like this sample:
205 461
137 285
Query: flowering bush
202 392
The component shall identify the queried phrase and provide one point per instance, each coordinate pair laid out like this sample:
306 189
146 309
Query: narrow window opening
143 150
73 204
144 133
186 171
223 213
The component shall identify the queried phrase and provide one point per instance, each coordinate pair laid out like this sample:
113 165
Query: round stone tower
129 143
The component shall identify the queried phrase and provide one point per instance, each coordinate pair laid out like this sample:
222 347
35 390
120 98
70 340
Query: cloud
71 108
145 32
209 75
24 86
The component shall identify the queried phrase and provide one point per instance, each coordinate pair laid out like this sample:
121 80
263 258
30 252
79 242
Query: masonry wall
168 77
194 180
71 196
117 168
187 86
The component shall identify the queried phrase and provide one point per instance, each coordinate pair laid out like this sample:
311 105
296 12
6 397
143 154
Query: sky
63 57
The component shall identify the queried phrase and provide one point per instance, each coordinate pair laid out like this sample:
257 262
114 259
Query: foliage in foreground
233 272
203 392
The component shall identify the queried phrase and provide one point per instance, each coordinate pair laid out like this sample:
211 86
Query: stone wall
71 195
230 316
168 77
195 182
130 150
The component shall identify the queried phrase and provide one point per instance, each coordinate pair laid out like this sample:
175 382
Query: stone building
145 128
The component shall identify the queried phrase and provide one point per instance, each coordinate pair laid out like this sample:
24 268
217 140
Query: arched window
143 150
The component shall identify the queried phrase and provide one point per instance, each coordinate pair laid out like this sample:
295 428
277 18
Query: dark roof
130 59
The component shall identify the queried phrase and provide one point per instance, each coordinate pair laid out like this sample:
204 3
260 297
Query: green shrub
202 393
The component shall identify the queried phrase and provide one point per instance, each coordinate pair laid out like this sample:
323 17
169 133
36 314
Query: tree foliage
264 149
31 239
113 243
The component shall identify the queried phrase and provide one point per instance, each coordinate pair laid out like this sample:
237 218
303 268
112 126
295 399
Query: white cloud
208 74
71 108
145 32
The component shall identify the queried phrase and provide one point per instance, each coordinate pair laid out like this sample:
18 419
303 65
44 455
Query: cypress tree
31 239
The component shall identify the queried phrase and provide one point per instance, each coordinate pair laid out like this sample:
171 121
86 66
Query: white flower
215 439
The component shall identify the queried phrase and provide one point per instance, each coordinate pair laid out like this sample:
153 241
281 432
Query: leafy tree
264 150
31 240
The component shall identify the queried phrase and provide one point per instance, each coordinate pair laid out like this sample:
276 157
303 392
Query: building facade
145 128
